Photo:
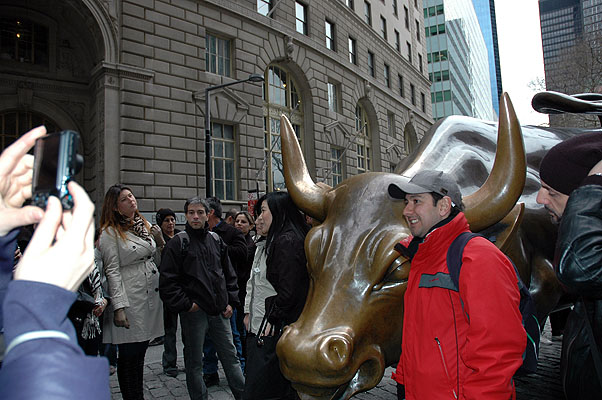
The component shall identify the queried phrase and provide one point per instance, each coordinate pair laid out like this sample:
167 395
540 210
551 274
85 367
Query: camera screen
46 156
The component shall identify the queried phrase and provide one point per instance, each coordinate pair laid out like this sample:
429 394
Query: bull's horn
503 187
307 195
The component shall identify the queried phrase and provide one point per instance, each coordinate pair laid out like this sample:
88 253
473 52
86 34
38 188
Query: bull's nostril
336 351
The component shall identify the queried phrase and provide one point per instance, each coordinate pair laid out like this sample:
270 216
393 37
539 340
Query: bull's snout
330 353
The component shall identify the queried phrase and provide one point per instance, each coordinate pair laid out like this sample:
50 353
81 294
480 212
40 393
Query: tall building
457 60
132 76
485 10
572 51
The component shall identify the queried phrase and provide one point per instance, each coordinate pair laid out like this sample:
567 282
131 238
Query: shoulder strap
184 242
454 255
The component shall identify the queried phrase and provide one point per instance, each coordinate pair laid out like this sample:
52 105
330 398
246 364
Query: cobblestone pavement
544 385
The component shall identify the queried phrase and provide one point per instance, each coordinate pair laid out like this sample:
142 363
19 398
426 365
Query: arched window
15 123
362 141
23 41
280 97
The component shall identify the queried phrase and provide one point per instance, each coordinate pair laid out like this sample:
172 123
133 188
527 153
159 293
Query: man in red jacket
463 343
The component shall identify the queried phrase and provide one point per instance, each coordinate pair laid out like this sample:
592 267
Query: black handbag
264 380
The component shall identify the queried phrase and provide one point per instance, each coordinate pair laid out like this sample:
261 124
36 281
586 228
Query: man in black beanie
571 191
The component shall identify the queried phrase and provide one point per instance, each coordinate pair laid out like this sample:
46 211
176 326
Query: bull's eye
396 274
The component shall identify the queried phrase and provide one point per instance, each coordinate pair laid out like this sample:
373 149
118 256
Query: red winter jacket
444 356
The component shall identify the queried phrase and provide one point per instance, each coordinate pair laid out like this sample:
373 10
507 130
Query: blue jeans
195 326
210 355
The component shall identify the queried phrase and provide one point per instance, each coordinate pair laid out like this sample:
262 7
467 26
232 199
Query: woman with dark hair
286 262
279 267
135 315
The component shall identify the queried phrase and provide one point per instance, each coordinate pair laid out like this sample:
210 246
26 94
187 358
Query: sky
521 57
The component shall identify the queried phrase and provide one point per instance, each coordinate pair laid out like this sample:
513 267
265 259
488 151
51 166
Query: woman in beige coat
135 314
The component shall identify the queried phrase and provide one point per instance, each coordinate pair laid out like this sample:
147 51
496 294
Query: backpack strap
454 256
184 243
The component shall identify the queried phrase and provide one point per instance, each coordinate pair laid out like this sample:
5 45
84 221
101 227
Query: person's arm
109 248
496 339
237 248
580 239
229 275
42 349
170 275
289 265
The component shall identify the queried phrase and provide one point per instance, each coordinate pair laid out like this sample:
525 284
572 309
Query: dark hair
233 212
257 207
196 200
455 209
246 214
110 217
285 216
216 205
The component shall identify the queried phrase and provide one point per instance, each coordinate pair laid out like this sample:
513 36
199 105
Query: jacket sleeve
170 275
237 248
109 248
52 368
289 265
230 275
580 242
496 339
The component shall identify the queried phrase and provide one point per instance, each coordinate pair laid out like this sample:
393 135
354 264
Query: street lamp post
251 78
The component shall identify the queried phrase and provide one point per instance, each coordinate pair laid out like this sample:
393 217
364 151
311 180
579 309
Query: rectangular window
420 62
391 123
352 51
363 158
333 97
406 17
217 55
336 165
330 35
409 51
224 161
395 11
417 30
413 94
371 64
387 77
397 43
349 3
367 13
423 102
301 17
401 89
383 27
264 7
439 9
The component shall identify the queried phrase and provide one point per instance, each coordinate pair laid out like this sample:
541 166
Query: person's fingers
46 231
127 323
11 218
11 156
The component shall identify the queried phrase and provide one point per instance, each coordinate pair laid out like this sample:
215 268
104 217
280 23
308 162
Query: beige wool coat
133 282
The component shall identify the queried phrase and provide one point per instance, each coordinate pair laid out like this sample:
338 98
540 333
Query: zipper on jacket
445 365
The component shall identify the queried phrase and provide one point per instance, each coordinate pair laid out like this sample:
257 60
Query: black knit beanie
569 162
162 213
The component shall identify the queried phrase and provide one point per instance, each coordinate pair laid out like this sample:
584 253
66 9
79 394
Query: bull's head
350 328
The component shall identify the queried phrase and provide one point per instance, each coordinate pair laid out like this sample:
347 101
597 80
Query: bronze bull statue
351 327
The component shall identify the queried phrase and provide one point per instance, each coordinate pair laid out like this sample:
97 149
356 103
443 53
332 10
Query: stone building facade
131 75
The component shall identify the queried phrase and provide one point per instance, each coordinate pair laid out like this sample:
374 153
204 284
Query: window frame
301 22
367 13
330 40
372 64
223 158
212 64
352 48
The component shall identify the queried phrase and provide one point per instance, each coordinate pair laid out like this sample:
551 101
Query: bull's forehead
362 225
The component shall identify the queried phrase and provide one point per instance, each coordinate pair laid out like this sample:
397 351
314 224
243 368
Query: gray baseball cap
425 182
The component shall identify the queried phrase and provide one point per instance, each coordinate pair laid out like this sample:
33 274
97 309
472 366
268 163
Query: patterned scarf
138 228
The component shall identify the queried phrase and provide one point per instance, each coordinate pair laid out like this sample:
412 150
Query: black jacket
287 272
200 272
237 246
579 269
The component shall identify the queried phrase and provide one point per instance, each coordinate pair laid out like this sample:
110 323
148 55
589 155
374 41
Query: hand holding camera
15 183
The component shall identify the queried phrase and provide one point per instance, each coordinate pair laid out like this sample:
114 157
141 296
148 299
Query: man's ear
445 206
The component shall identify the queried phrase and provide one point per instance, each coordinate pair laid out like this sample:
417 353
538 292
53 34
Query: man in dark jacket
237 251
571 191
198 281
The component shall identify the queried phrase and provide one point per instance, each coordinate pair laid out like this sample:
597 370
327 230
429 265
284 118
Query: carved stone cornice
112 73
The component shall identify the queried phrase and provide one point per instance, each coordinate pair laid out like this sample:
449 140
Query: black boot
127 371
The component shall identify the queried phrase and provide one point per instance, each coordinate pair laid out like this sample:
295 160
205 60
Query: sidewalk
544 385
